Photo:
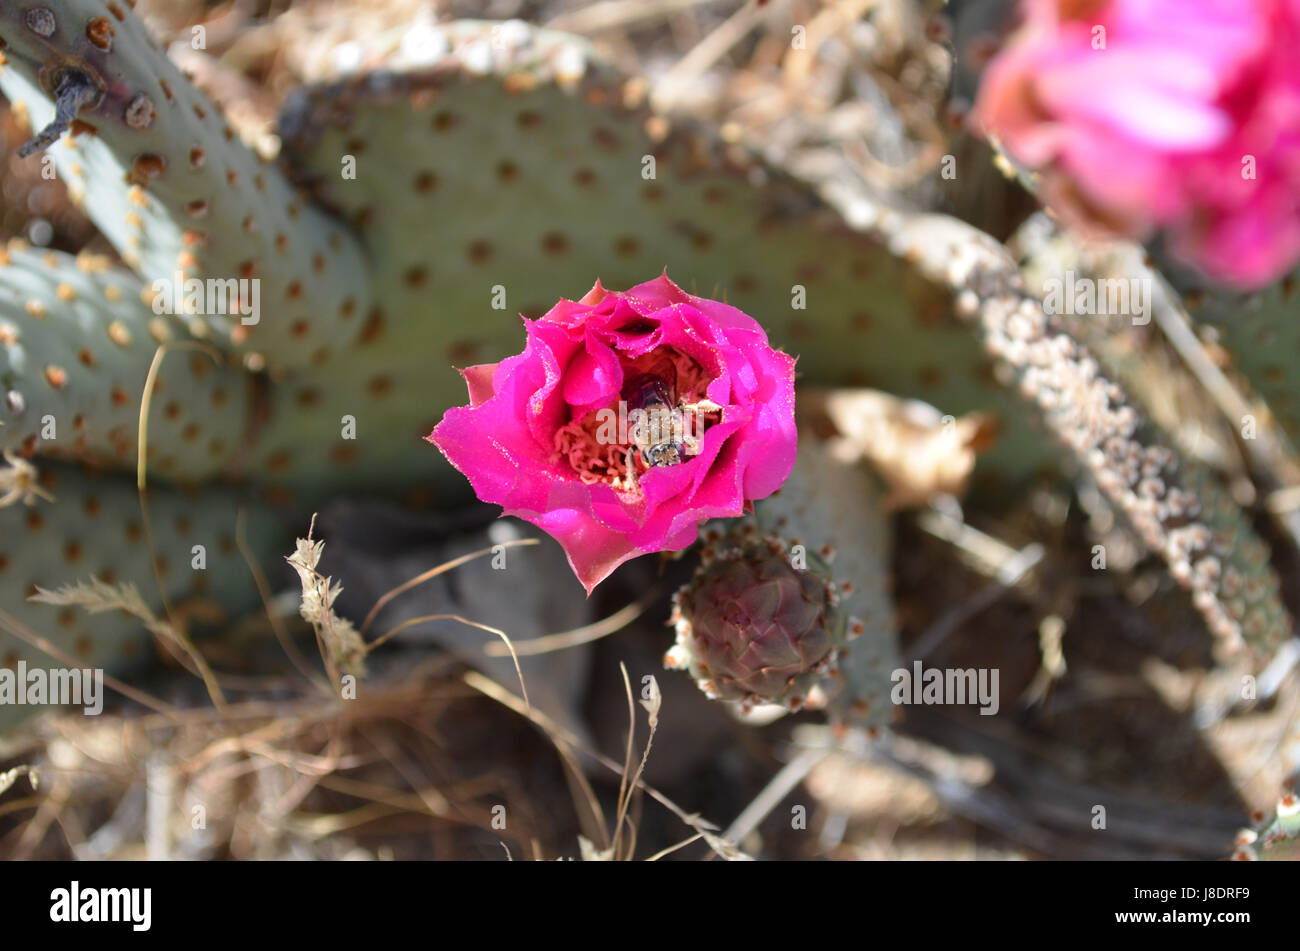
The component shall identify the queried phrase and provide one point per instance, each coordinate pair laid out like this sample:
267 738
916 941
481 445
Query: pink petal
572 363
479 381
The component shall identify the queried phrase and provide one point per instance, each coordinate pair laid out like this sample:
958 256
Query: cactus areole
628 420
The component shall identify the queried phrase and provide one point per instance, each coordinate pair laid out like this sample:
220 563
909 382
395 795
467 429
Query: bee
654 397
648 392
664 454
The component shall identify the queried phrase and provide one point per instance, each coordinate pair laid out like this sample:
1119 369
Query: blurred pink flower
541 436
1182 115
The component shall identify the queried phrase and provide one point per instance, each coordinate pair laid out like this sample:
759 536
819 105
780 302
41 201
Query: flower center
659 419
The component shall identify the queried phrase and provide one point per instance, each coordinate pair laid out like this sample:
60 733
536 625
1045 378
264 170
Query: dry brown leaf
918 451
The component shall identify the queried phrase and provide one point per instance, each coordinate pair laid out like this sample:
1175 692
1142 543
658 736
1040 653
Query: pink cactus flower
1181 115
628 419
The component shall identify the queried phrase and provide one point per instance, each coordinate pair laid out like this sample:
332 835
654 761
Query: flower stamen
669 428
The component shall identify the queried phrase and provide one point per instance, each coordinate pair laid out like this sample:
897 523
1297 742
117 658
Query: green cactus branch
76 344
83 525
164 177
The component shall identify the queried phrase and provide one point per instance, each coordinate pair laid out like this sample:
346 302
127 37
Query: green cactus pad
153 163
514 172
835 511
94 528
76 344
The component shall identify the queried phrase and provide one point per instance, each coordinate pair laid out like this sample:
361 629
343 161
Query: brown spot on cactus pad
100 32
147 166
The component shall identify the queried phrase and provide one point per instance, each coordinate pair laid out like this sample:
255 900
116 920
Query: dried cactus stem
1209 545
74 91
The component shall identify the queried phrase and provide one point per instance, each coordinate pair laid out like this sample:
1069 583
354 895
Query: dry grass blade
25 634
264 592
97 596
9 777
323 826
341 645
629 781
780 786
456 617
567 743
200 665
146 398
624 787
578 635
673 848
434 572
708 51
613 14
18 805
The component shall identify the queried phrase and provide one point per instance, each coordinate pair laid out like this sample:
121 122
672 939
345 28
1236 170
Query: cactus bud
752 627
